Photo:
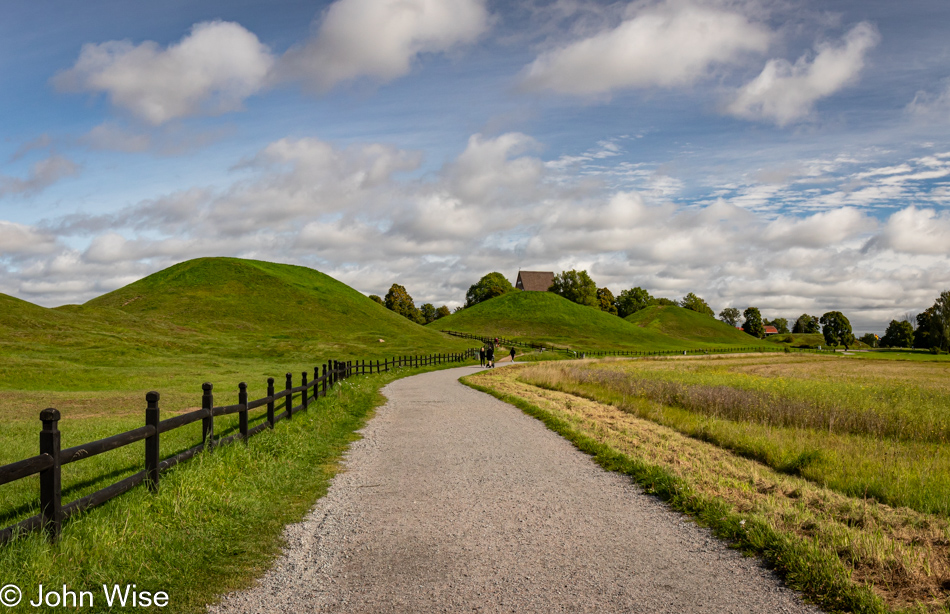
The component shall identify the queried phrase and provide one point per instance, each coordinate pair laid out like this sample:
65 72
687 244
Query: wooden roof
534 281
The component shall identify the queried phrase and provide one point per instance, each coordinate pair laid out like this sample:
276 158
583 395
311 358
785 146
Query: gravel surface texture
456 502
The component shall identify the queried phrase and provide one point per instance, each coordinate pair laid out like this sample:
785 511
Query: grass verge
217 522
845 554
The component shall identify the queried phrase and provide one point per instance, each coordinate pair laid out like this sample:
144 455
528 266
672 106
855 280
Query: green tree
441 312
576 286
753 322
606 300
427 311
491 285
780 324
661 300
694 303
836 329
398 300
870 339
806 324
376 299
730 315
632 301
927 333
941 309
899 334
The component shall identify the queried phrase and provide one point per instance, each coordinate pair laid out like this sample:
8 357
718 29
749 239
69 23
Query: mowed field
836 469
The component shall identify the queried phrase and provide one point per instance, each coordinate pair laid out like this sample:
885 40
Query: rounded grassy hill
687 325
202 316
545 317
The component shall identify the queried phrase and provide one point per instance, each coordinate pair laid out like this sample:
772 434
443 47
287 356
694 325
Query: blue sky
788 155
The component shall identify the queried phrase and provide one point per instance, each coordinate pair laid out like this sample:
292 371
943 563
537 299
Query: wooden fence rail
48 463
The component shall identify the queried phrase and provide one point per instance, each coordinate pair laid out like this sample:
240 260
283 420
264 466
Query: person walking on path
481 356
512 352
490 356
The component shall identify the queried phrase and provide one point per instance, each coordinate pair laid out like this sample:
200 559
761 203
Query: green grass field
544 317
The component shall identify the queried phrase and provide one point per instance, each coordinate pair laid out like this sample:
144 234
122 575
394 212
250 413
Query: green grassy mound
266 300
688 325
203 316
545 317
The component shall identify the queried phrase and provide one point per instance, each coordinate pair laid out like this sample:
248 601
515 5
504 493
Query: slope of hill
199 317
264 299
545 317
685 324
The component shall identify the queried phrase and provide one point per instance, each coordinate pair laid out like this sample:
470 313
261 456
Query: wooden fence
49 461
603 353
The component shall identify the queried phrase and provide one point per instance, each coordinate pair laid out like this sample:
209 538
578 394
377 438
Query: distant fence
51 458
603 353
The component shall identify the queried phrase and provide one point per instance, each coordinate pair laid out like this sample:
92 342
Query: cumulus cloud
670 45
211 70
349 212
18 240
916 231
832 227
43 174
784 92
379 39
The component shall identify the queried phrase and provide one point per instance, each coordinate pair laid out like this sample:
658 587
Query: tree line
932 330
931 333
578 287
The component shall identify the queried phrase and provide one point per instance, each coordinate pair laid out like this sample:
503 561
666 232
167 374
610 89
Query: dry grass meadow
844 463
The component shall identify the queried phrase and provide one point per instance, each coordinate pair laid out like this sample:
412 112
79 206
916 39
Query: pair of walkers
487 356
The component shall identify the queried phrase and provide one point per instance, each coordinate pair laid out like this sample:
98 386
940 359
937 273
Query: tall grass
889 443
845 553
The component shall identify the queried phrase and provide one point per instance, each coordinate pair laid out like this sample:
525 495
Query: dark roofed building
534 281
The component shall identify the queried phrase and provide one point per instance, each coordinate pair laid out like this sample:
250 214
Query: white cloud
667 46
917 231
929 107
111 137
824 228
18 240
492 169
43 174
785 92
379 39
211 70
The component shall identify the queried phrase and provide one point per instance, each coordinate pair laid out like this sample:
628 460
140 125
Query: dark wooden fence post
242 415
316 383
51 485
152 418
324 380
289 398
207 423
270 405
303 396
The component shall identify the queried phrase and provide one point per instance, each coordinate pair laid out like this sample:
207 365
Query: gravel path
454 501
